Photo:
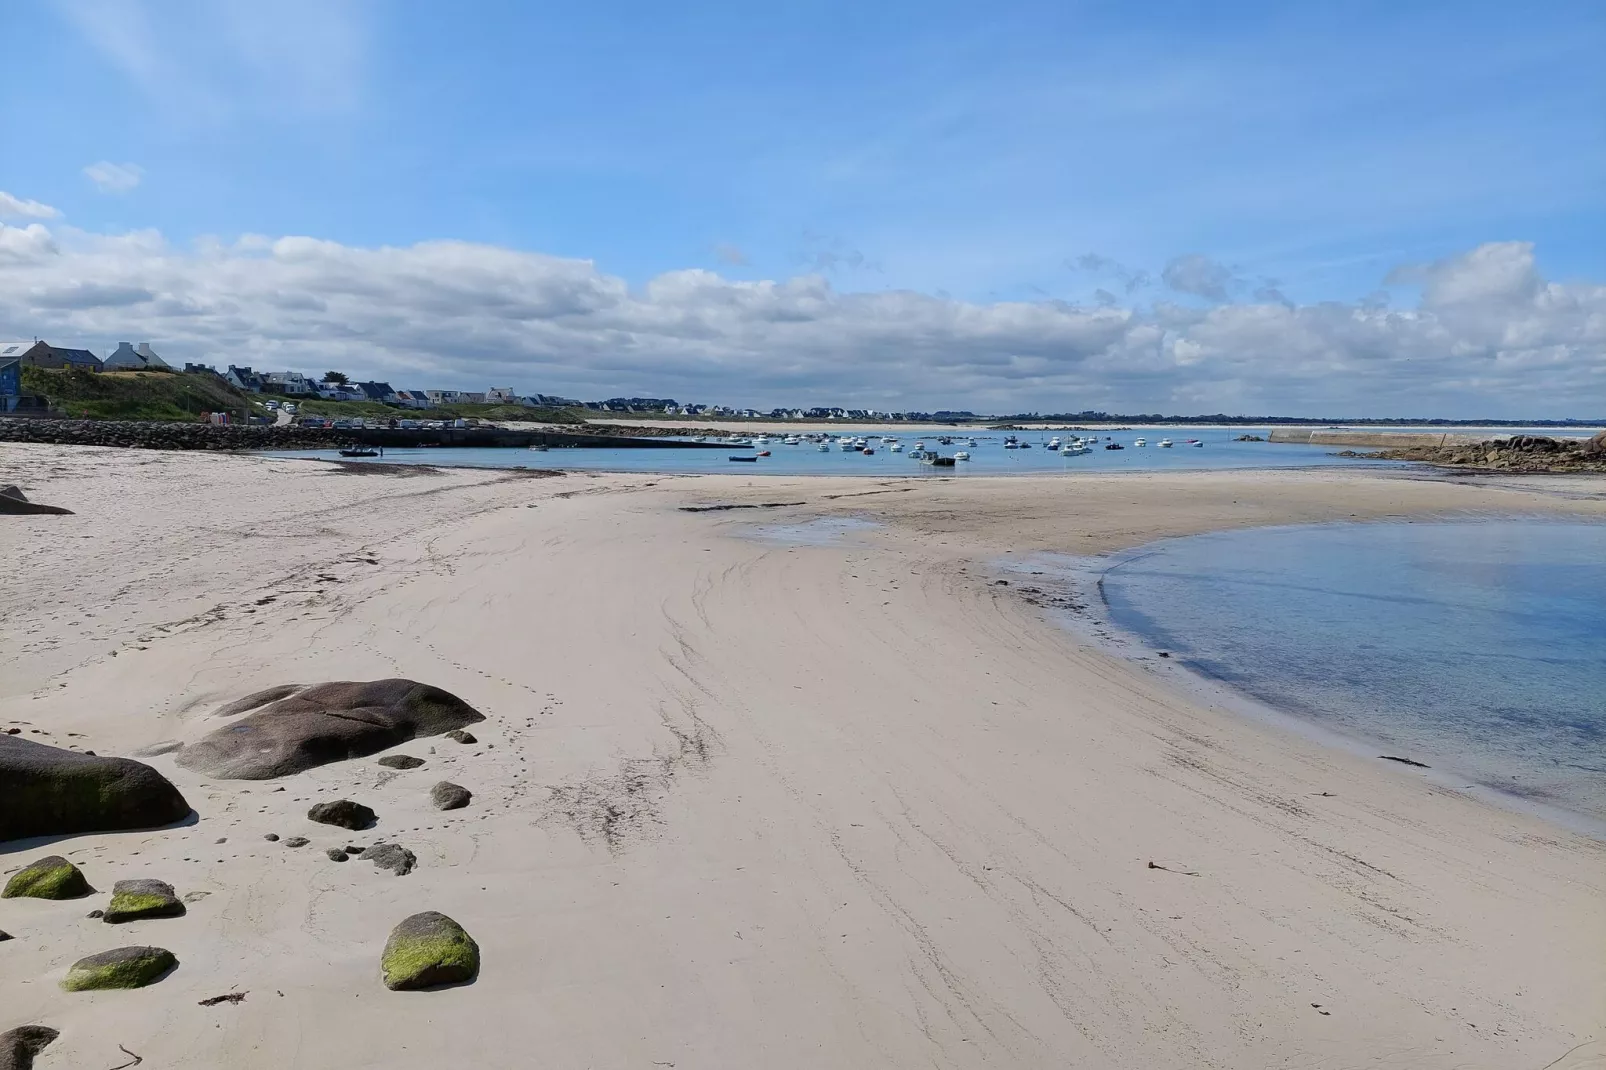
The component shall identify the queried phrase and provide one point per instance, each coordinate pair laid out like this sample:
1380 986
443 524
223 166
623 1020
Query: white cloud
1489 337
16 208
114 177
1199 275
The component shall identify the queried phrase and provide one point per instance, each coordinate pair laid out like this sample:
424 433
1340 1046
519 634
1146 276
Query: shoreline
1092 621
841 804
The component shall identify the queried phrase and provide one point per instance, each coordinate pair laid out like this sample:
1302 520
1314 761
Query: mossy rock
52 877
429 949
49 791
132 900
122 967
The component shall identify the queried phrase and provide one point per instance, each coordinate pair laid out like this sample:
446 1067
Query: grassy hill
134 395
178 396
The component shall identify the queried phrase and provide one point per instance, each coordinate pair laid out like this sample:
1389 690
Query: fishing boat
824 447
896 447
868 451
789 440
1140 442
1196 444
1008 445
1114 446
1165 443
962 456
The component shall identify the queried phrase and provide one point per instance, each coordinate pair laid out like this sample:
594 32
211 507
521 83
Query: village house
37 354
126 358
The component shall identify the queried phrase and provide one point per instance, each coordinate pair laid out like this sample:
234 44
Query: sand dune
745 802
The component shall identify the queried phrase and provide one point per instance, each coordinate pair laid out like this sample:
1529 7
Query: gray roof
15 349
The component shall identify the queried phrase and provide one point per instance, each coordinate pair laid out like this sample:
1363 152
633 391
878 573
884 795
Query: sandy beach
749 801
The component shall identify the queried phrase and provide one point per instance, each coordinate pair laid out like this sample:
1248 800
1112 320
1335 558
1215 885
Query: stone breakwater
169 436
1520 453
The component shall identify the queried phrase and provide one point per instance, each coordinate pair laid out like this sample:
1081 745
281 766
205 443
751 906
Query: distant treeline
1262 421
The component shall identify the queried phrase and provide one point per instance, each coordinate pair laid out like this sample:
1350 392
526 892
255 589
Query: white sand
740 803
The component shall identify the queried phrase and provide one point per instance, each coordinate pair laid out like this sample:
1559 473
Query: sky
1368 209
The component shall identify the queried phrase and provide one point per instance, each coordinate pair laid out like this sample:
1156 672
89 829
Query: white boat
1074 450
824 447
961 456
1196 444
896 447
1165 443
1012 445
1140 442
1054 443
971 443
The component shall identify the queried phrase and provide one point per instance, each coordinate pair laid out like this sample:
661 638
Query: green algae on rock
429 949
144 898
52 877
122 967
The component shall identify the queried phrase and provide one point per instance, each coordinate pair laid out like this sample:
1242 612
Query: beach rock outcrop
51 877
19 1046
449 796
429 949
122 967
461 736
392 856
144 898
49 791
292 728
400 761
13 501
343 812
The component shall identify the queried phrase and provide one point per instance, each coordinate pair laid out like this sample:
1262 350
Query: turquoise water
989 457
1472 646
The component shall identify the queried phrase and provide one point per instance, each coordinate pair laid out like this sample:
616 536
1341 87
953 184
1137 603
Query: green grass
172 396
372 409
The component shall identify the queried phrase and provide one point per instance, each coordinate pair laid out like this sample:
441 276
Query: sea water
1220 449
1475 646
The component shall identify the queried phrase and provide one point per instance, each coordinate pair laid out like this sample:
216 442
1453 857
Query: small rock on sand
337 854
271 837
297 841
145 898
392 856
122 967
342 812
51 877
462 736
400 761
429 949
18 1046
449 796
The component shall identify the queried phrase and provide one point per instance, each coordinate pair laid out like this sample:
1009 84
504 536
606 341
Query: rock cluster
151 435
292 728
1519 453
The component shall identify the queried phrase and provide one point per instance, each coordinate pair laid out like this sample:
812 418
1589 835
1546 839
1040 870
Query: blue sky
975 154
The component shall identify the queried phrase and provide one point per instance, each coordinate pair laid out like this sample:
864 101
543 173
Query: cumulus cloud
1197 274
114 177
16 208
1490 335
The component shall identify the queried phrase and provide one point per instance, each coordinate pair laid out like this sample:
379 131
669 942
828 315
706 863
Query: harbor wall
1388 440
